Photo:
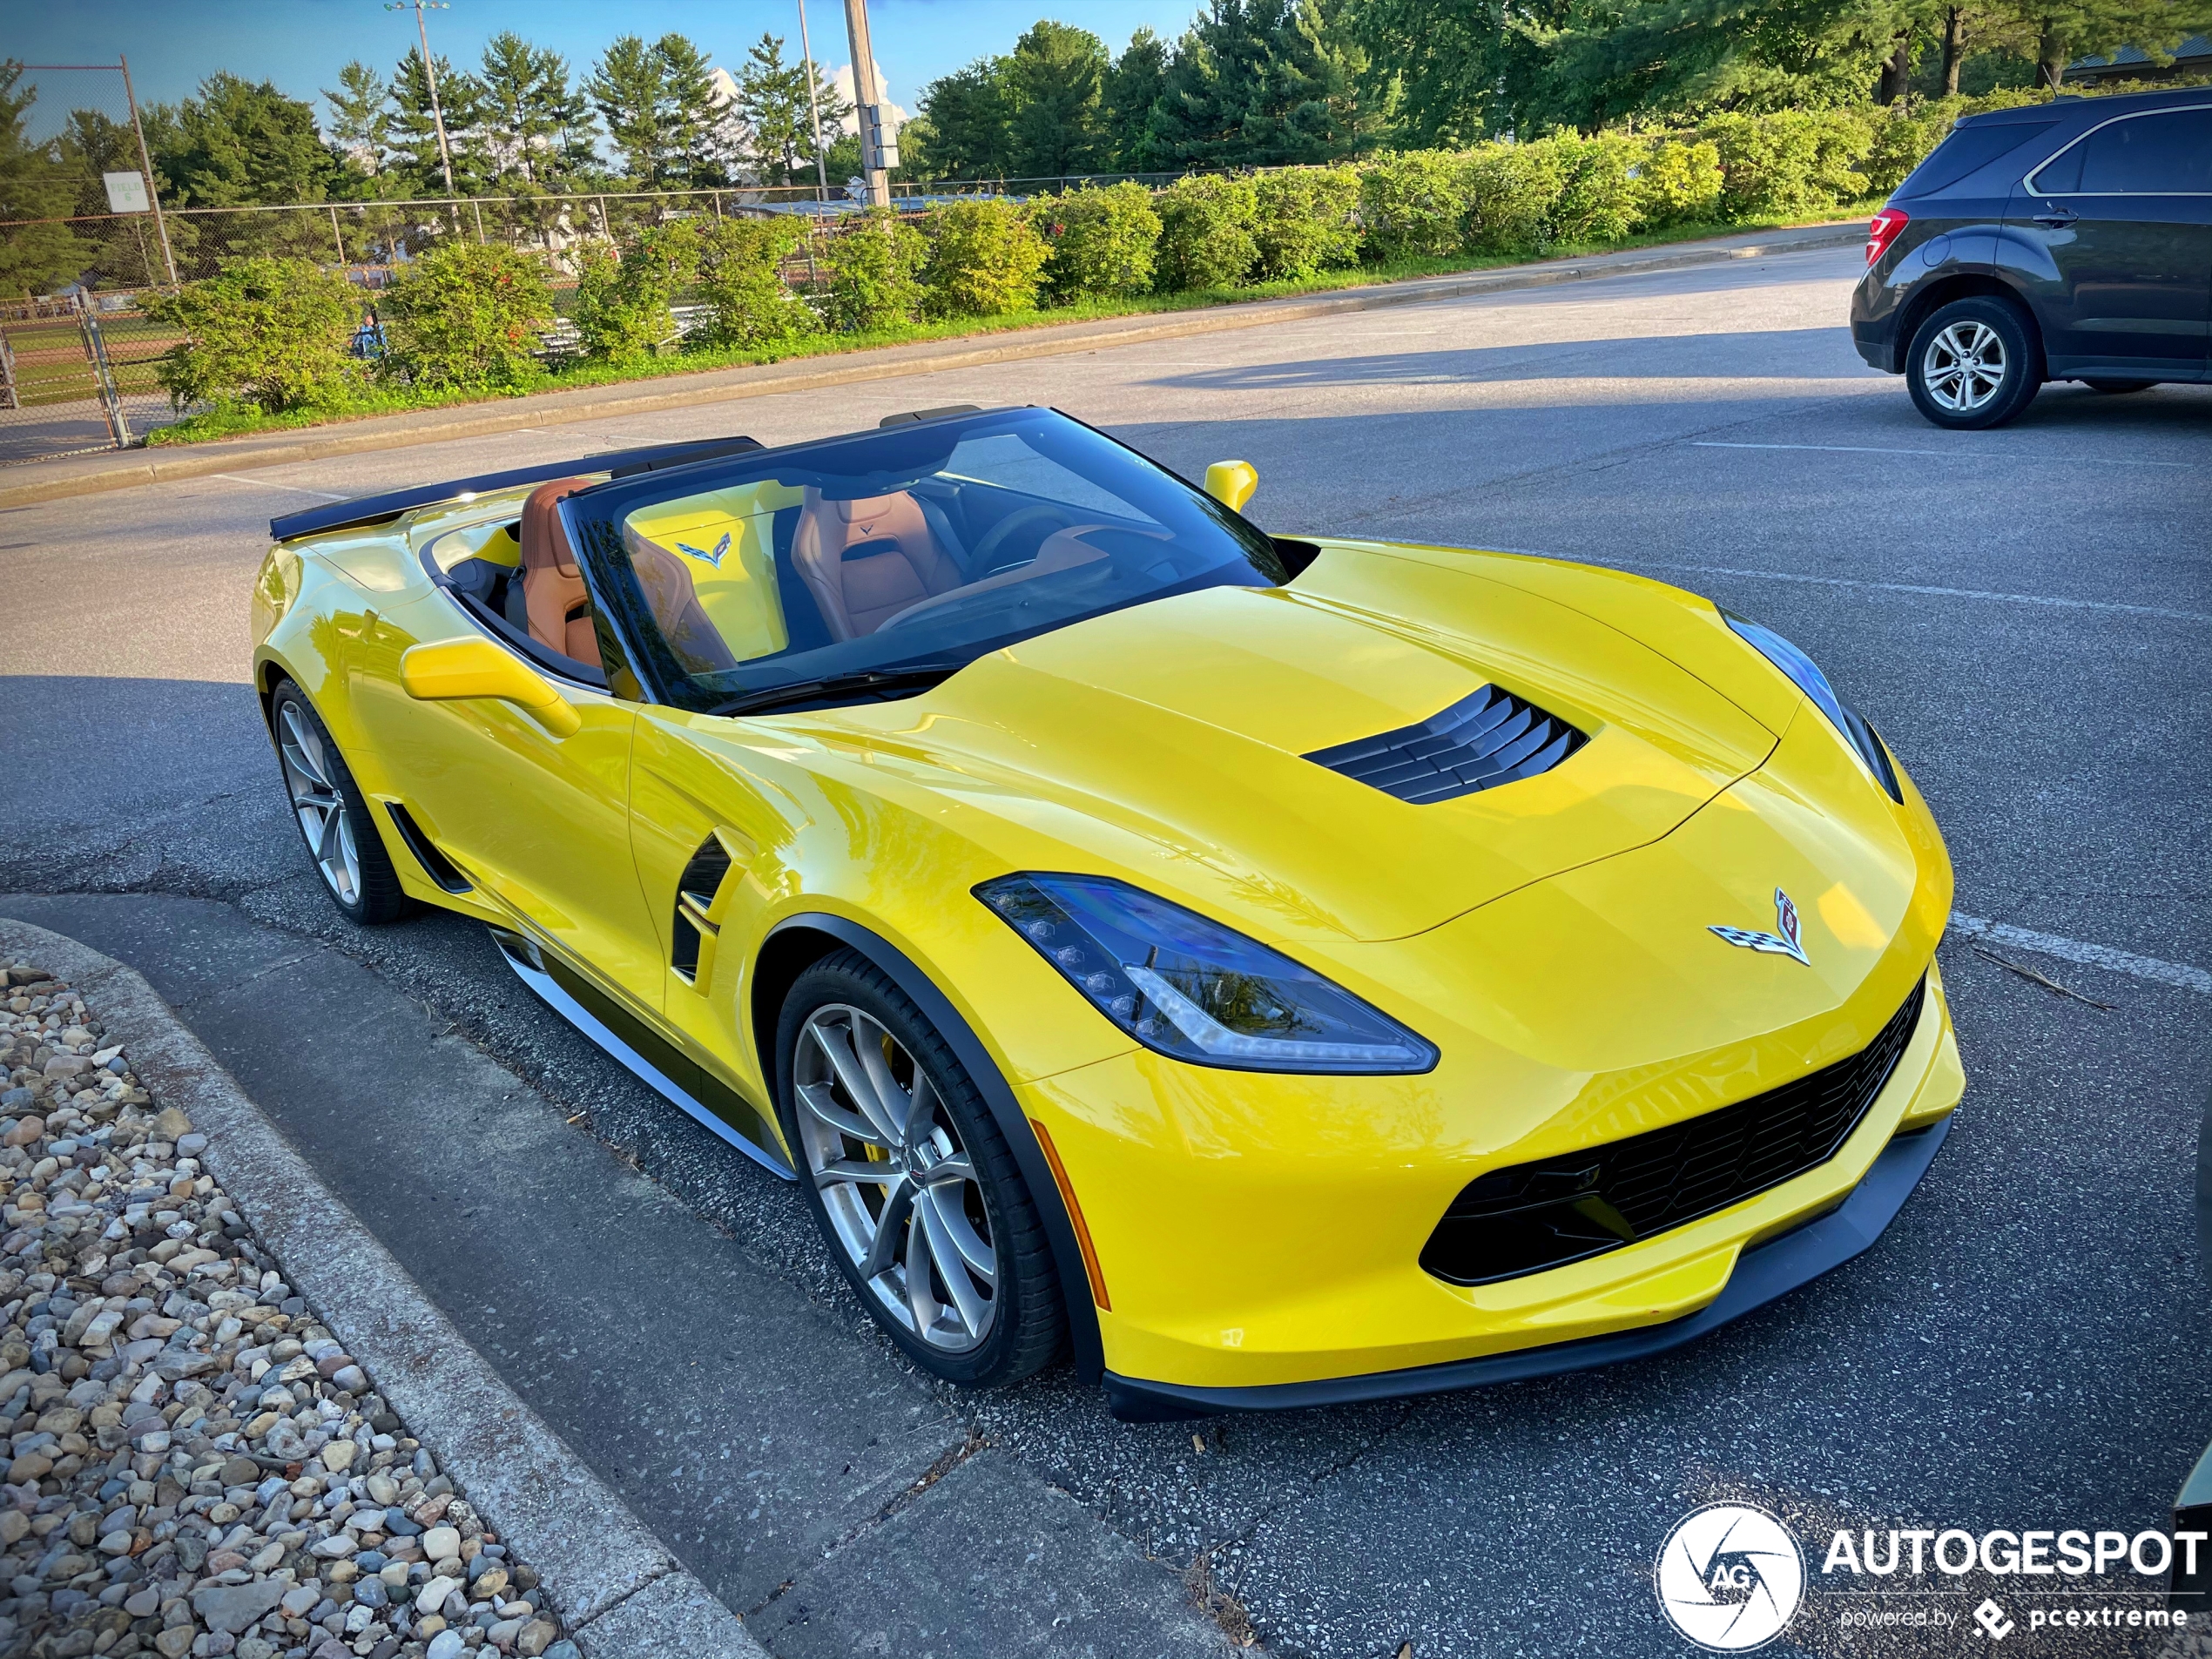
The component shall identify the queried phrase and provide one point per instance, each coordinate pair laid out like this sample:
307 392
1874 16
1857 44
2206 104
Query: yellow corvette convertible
1278 971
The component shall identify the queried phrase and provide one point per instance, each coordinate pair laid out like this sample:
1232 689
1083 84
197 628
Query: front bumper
1761 1275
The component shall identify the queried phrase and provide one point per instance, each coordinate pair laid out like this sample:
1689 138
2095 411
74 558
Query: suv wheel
1974 363
333 814
910 1180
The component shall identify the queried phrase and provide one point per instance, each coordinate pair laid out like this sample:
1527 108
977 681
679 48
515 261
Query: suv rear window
1968 150
2163 154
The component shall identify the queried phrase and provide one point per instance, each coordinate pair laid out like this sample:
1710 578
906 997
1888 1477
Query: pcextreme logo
1730 1578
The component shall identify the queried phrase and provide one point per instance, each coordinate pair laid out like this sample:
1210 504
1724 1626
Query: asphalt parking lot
2027 615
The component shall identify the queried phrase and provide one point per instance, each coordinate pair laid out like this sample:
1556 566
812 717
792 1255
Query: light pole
813 109
429 75
878 156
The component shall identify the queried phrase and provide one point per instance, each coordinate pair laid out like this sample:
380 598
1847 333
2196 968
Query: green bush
275 334
1307 221
1512 189
622 296
1599 200
1206 233
1104 243
467 314
1680 181
741 284
1413 204
985 258
1791 164
873 270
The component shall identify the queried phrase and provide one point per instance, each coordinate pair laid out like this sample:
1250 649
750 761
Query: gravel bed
194 1465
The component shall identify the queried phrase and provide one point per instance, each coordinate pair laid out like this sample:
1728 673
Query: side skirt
567 1000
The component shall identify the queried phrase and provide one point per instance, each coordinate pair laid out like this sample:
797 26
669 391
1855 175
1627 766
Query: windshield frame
595 519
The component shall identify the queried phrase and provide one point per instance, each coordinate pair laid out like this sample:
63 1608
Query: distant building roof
2193 56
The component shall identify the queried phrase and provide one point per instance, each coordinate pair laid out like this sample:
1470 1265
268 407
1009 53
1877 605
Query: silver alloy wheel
900 1189
321 808
1964 367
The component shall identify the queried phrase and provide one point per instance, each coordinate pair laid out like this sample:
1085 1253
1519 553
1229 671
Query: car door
2124 217
536 821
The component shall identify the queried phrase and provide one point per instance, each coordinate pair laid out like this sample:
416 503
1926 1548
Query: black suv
2070 241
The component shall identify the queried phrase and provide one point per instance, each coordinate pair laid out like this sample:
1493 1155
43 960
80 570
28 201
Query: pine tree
34 259
361 118
778 118
241 144
970 115
415 132
698 136
1056 80
529 111
1133 86
625 88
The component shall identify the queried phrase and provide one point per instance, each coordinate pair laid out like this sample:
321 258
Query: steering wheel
980 558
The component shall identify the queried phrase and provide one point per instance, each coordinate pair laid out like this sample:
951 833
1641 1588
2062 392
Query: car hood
1166 744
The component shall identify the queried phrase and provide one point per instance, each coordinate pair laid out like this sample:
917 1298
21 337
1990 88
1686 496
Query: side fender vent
695 891
1489 737
435 865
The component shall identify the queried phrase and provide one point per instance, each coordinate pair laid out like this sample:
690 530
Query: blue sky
300 44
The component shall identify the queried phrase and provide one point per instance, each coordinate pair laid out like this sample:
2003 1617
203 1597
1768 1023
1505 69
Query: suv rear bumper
1875 344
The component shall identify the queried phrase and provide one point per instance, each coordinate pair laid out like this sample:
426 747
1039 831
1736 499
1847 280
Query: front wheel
911 1181
1974 364
333 814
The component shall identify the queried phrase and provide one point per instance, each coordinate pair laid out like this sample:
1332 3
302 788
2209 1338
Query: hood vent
1487 738
695 892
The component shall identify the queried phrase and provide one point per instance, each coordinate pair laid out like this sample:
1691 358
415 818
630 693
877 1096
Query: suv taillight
1882 230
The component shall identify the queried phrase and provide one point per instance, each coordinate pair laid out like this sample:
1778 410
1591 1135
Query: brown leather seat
675 604
553 590
895 563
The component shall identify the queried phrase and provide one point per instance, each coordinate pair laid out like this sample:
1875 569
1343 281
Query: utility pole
429 75
878 155
153 189
813 109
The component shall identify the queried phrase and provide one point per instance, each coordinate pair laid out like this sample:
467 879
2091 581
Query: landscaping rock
194 1463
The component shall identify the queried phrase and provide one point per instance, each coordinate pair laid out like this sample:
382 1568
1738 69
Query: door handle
2058 219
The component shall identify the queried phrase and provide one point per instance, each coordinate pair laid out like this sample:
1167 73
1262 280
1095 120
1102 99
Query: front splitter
1773 1270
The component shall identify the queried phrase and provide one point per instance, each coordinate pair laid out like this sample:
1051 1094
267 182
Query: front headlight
1805 674
1194 990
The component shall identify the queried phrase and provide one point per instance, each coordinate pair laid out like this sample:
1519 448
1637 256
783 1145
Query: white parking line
2179 974
1945 454
271 484
1895 587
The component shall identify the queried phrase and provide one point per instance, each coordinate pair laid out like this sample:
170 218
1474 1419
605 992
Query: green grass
229 420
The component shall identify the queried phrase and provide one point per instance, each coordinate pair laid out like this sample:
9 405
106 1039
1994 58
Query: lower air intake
1536 1215
1489 737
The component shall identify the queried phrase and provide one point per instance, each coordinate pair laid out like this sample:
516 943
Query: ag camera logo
1730 1578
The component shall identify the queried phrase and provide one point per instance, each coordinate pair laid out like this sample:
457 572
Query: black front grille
1537 1216
1489 737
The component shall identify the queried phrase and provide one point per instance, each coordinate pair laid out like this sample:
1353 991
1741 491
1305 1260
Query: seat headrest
544 542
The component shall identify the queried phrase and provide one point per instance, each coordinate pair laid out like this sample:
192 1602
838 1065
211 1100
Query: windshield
910 550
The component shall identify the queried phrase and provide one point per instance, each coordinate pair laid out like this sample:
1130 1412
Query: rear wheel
333 814
1974 363
911 1181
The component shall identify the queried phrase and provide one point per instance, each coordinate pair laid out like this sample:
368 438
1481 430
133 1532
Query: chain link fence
76 360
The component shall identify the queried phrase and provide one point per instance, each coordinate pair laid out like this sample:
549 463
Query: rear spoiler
368 509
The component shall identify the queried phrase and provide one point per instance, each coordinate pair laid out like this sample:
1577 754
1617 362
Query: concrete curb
129 469
619 1592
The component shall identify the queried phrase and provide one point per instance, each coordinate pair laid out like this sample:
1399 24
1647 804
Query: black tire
1949 366
2118 388
353 866
1027 1327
